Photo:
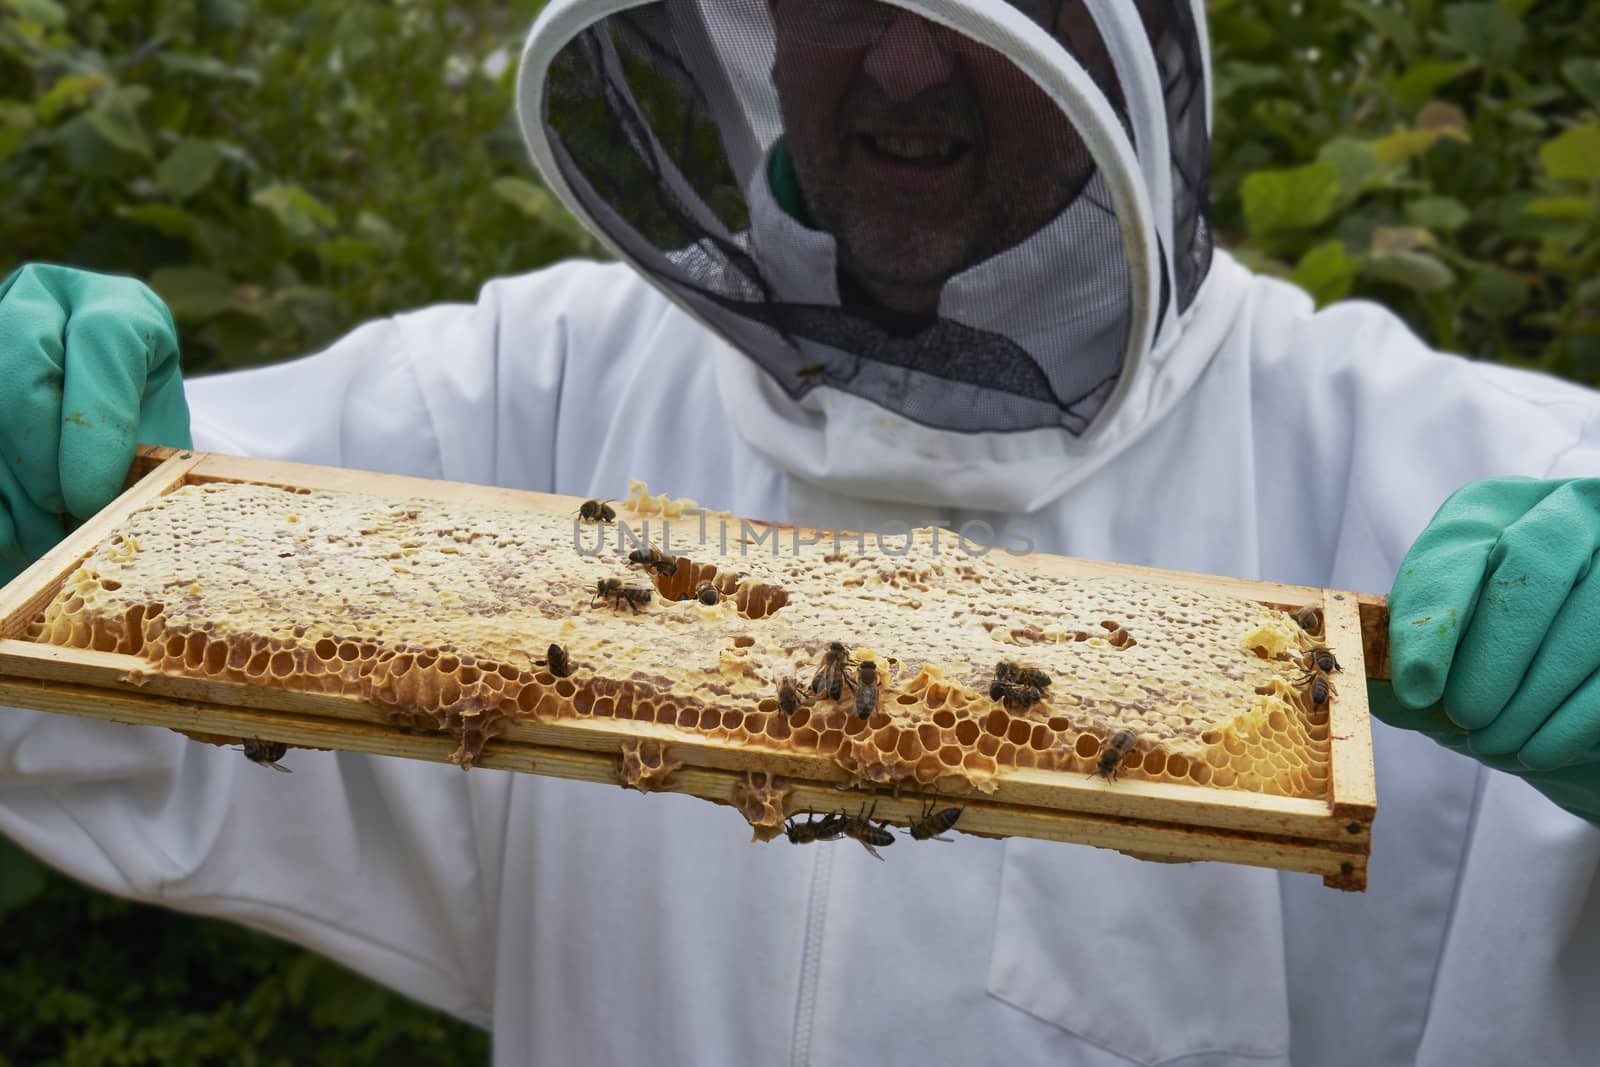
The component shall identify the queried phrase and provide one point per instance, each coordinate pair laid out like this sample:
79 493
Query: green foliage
278 170
92 981
281 170
1442 158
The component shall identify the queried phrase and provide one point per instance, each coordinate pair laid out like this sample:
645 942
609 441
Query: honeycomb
443 615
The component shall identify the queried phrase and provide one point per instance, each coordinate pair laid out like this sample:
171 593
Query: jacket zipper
811 959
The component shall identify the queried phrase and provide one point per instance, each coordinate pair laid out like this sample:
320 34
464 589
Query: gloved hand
88 369
1494 634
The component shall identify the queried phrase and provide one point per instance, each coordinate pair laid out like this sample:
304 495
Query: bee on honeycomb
1014 695
827 828
834 674
618 594
872 836
931 825
556 659
1012 674
867 689
651 559
1113 753
266 753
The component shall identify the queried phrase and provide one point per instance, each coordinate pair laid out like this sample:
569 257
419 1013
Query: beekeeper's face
921 151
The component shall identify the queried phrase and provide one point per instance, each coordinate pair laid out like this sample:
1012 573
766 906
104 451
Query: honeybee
707 594
597 511
834 674
651 559
266 753
867 689
1319 690
1112 754
826 828
932 824
790 698
556 659
613 590
1309 618
1014 696
872 837
1013 674
1321 659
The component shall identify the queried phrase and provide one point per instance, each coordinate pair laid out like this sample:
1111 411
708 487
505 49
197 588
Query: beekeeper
890 264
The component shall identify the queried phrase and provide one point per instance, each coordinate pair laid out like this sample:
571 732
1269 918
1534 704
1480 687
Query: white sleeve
389 866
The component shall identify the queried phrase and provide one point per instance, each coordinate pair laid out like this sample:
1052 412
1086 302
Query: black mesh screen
861 199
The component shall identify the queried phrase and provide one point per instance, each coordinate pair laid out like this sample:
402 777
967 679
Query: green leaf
224 14
1583 73
70 92
1443 213
117 123
349 252
189 167
1326 272
1358 166
1294 199
1396 26
1242 33
1577 208
208 67
1422 81
297 211
87 152
1497 293
1387 239
1485 31
376 229
22 877
1575 153
193 293
525 196
1417 271
163 218
47 13
16 124
1403 145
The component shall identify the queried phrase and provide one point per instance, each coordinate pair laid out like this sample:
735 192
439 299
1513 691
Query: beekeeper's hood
955 240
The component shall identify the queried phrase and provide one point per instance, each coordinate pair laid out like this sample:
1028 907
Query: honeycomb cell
442 612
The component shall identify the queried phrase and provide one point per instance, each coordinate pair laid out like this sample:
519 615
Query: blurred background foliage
281 170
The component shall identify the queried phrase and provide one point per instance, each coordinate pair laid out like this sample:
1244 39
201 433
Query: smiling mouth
921 151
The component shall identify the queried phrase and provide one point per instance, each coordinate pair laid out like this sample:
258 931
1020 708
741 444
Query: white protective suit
587 925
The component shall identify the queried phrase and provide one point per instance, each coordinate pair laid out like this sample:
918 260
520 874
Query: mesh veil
865 200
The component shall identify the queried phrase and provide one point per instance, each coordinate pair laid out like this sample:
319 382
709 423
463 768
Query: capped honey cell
467 618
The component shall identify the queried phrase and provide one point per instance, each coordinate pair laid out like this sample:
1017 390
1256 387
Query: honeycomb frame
1041 785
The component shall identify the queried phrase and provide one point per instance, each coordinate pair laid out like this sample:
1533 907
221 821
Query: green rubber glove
88 370
1494 634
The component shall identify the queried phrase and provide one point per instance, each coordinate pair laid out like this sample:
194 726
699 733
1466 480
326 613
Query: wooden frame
1153 820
